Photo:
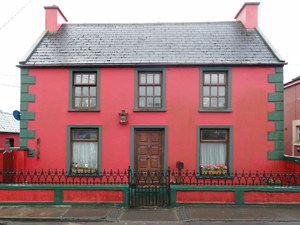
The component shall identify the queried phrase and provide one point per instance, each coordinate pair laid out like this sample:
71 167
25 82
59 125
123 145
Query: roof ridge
152 23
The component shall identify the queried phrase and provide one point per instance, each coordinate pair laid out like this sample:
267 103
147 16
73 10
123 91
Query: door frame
165 144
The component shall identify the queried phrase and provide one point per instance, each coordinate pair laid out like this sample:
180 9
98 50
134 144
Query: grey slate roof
153 44
8 124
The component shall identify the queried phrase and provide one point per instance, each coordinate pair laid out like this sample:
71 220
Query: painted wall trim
26 116
278 116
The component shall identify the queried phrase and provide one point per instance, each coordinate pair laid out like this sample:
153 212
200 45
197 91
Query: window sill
150 110
216 110
84 110
214 176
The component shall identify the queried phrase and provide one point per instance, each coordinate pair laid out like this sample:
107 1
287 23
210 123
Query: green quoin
26 98
278 115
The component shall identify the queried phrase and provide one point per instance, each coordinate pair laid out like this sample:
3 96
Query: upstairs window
150 90
214 90
85 90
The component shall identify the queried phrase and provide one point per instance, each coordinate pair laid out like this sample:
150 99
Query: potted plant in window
210 169
84 168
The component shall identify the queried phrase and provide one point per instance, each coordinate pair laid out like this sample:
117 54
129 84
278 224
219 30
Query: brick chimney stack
248 15
54 18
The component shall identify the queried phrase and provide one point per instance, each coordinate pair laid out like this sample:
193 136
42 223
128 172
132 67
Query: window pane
157 91
85 91
214 91
150 78
207 78
214 78
142 91
142 102
92 91
221 102
92 102
77 102
214 134
85 102
85 78
206 91
206 102
221 91
77 91
85 154
157 78
77 79
214 102
149 91
221 78
157 102
142 78
213 153
92 79
85 134
150 102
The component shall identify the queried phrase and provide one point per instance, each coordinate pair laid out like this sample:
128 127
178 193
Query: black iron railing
168 177
64 177
235 178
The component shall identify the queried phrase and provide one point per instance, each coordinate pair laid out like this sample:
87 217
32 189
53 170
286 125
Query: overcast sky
22 22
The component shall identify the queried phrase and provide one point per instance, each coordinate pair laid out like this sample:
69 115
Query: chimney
54 18
248 15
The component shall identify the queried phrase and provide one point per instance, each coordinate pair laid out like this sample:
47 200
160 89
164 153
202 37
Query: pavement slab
238 213
159 214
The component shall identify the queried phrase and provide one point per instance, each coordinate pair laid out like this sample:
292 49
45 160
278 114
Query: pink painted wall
93 196
248 118
205 197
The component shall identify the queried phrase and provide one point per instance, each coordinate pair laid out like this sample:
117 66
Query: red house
9 138
109 96
292 121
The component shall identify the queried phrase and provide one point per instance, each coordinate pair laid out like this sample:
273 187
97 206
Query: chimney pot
54 18
248 15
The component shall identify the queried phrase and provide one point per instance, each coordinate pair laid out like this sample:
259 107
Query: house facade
109 96
9 139
292 123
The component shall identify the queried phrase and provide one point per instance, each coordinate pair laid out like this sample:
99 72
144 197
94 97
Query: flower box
214 172
83 170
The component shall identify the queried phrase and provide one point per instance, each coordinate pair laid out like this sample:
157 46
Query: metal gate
149 188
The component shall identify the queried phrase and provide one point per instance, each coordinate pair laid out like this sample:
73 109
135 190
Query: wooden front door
149 150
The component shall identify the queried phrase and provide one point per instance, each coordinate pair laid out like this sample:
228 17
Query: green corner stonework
277 116
26 98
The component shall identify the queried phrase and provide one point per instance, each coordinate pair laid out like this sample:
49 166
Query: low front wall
191 195
64 194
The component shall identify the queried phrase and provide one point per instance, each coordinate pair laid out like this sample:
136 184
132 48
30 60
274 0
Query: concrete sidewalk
179 215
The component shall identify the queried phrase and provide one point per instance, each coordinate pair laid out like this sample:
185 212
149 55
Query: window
84 149
9 142
215 94
214 149
297 133
214 90
84 90
150 90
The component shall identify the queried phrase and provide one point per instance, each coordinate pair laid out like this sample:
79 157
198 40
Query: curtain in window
85 153
213 153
